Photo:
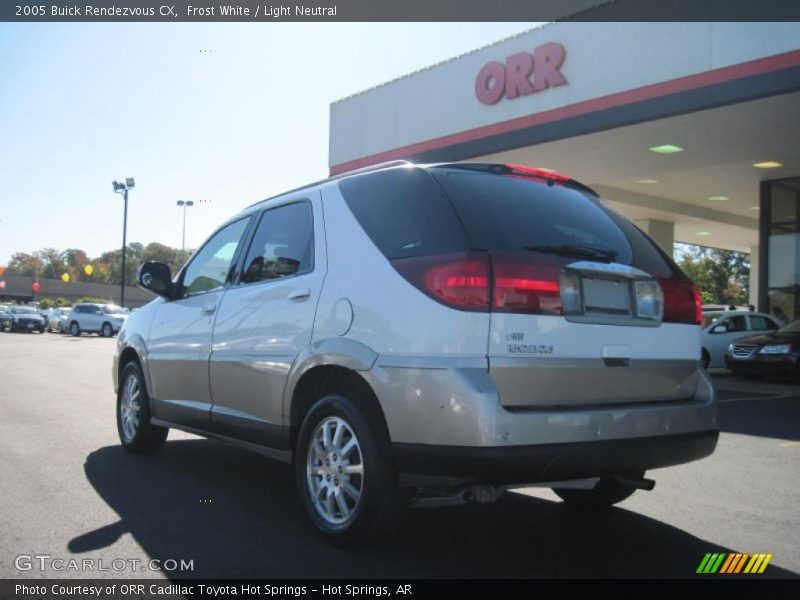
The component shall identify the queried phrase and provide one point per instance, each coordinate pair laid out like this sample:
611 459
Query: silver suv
431 334
105 319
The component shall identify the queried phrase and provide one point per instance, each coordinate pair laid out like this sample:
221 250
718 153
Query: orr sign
522 74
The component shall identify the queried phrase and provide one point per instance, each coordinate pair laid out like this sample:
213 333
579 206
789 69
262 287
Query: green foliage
46 304
92 300
723 276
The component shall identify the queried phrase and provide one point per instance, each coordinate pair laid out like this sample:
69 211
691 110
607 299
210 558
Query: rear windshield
509 213
404 212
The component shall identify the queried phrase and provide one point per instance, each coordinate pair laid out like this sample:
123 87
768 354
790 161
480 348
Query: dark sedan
24 318
775 353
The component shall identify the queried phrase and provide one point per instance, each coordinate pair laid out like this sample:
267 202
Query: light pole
184 204
123 188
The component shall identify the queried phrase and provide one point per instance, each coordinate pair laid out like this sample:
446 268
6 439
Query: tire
74 329
706 358
606 493
379 503
41 330
107 330
136 433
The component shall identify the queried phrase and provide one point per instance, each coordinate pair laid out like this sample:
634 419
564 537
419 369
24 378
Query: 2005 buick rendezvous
431 333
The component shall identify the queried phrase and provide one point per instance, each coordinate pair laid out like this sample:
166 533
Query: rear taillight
521 286
457 280
467 282
682 301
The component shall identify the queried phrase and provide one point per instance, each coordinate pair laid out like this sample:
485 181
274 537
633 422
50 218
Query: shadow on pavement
764 417
238 515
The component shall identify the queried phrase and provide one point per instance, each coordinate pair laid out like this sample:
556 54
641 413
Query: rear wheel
136 432
74 329
607 492
345 472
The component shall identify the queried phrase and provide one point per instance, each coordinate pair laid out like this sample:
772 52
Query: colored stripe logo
733 563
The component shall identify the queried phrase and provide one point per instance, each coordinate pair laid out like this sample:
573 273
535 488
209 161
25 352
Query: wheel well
325 379
128 355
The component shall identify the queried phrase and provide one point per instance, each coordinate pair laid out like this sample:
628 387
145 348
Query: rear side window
762 323
509 213
404 212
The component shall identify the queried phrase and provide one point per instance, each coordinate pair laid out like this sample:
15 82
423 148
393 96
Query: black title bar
399 10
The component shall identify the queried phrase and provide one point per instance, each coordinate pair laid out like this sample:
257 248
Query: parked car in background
774 353
58 319
105 319
24 318
5 316
437 331
723 327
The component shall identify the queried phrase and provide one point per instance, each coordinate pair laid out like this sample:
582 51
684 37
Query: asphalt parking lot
69 491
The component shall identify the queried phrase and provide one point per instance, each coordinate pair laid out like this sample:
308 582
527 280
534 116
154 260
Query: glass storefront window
783 248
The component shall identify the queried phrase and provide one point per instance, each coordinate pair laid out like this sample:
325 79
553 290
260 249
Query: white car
720 329
105 319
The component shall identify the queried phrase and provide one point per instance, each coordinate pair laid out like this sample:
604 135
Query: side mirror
156 277
721 328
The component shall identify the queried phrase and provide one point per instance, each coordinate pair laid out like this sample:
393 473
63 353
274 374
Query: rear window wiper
575 251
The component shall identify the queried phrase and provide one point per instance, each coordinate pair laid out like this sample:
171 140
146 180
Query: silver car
58 319
435 333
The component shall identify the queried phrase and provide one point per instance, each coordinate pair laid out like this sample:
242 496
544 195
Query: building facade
690 129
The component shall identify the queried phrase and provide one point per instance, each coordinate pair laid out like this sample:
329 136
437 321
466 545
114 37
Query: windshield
23 310
793 327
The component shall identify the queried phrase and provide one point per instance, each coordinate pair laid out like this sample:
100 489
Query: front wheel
345 472
607 492
107 331
74 329
136 432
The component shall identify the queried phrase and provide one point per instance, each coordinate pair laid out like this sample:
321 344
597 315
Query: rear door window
283 244
758 323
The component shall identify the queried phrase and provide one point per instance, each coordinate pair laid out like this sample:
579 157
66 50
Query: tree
52 263
29 265
723 276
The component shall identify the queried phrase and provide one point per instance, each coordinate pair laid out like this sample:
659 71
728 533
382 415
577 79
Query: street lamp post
184 204
123 188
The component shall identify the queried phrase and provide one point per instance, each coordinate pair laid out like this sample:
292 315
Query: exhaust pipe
640 483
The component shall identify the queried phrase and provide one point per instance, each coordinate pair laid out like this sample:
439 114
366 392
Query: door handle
300 294
208 309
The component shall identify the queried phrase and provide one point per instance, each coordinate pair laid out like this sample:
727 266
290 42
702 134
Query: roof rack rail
375 167
367 169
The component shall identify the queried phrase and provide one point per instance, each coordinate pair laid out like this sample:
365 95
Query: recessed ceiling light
702 233
666 149
718 198
767 164
645 181
755 208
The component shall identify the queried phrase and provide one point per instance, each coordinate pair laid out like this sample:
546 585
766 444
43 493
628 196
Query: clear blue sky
84 104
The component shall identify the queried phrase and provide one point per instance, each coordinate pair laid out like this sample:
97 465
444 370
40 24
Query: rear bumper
554 462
